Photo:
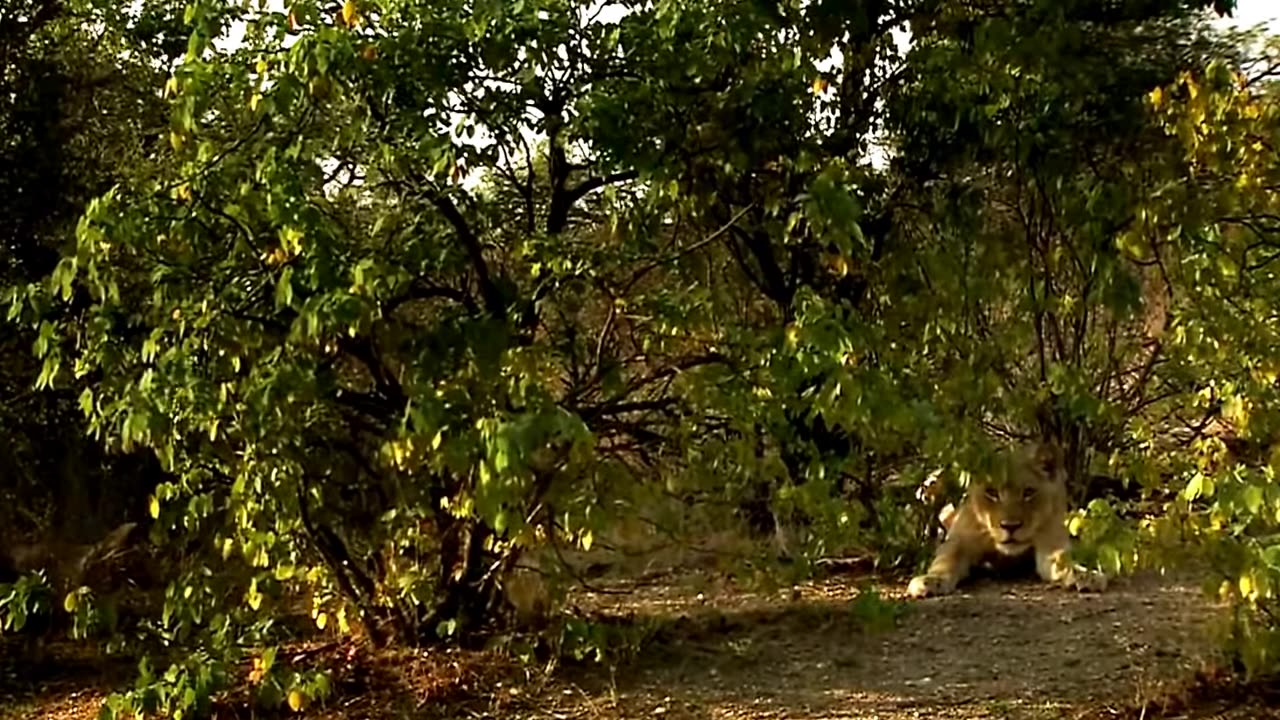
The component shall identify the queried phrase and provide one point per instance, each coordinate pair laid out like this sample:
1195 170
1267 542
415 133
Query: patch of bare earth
994 650
68 681
997 649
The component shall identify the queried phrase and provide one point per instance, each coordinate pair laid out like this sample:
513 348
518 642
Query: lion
1016 513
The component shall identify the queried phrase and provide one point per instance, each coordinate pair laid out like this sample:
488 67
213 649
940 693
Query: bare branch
592 184
691 248
488 289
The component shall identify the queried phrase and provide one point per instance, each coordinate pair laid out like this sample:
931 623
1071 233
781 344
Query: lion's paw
1084 580
927 585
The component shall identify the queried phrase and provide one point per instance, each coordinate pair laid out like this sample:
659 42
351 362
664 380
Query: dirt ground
997 649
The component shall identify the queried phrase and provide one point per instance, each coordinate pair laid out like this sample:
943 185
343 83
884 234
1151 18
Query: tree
369 377
1212 224
417 289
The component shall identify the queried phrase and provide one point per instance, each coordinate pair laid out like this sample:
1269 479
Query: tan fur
1020 509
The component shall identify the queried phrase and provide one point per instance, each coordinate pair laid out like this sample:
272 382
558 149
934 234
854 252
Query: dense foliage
76 112
405 293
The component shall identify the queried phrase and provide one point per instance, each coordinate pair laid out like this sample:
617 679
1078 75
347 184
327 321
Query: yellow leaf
1236 409
154 507
253 597
276 256
1246 586
297 700
291 239
1075 525
1156 96
350 13
321 620
820 85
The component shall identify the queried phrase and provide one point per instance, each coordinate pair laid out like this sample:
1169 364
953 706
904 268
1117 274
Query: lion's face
1022 495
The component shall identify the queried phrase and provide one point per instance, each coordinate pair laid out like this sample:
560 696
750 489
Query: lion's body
1017 512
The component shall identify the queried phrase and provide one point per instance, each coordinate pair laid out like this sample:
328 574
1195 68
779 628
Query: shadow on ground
59 682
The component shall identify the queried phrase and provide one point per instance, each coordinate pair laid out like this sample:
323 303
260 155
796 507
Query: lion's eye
993 495
1028 493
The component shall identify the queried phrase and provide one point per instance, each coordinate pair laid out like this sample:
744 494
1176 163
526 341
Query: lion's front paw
926 585
1085 580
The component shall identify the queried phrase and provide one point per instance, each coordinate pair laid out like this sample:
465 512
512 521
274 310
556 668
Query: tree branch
592 184
681 252
488 289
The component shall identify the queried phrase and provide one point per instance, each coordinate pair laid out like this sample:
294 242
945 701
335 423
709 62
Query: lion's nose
1010 527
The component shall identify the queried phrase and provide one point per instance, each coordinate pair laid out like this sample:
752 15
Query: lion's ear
1047 457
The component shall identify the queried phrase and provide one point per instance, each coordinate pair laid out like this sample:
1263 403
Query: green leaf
1271 556
1254 498
284 288
268 658
1195 487
1109 559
